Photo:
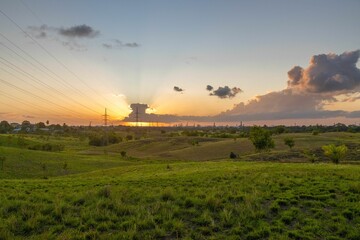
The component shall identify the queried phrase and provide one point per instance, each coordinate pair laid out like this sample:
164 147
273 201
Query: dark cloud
355 114
79 31
178 89
117 44
64 36
224 92
327 73
209 87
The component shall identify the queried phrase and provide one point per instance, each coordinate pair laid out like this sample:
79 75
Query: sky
265 62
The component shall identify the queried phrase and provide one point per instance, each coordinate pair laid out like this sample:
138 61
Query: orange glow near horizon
146 124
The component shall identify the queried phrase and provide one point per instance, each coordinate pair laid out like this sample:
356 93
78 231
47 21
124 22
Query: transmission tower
105 118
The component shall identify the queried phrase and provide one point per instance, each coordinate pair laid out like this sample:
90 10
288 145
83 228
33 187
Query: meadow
178 187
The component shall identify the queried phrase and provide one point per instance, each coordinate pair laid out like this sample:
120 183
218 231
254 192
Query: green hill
177 187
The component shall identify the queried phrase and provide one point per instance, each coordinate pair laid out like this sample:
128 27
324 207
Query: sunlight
145 124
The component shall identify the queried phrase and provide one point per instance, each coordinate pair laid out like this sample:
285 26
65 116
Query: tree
261 138
289 141
5 127
335 153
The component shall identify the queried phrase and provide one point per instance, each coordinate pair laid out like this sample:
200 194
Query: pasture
176 187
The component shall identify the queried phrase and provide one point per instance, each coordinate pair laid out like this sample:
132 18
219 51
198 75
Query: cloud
327 73
117 44
224 92
28 116
131 45
351 99
308 91
42 31
106 45
178 89
209 88
79 31
64 36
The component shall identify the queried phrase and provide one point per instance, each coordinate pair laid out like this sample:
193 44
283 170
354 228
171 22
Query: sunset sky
66 61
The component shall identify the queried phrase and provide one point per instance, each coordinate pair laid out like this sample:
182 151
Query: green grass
232 200
169 189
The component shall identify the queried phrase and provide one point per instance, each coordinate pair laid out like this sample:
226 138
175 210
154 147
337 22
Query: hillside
170 188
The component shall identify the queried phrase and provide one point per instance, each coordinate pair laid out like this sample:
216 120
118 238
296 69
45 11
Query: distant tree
25 125
5 127
335 153
289 141
40 125
47 122
261 138
279 129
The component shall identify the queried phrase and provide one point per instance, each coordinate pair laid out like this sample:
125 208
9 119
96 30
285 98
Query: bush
129 137
47 147
289 141
123 154
261 138
335 153
233 155
104 139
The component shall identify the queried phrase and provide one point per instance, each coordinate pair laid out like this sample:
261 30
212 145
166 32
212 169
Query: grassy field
170 188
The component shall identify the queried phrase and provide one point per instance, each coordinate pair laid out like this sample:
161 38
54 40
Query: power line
62 81
50 54
36 96
39 82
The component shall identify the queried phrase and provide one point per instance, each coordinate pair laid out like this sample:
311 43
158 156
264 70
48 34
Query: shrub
129 137
104 139
123 154
47 147
233 155
261 138
289 141
335 153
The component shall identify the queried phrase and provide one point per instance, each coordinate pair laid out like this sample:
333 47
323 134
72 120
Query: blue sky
246 44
